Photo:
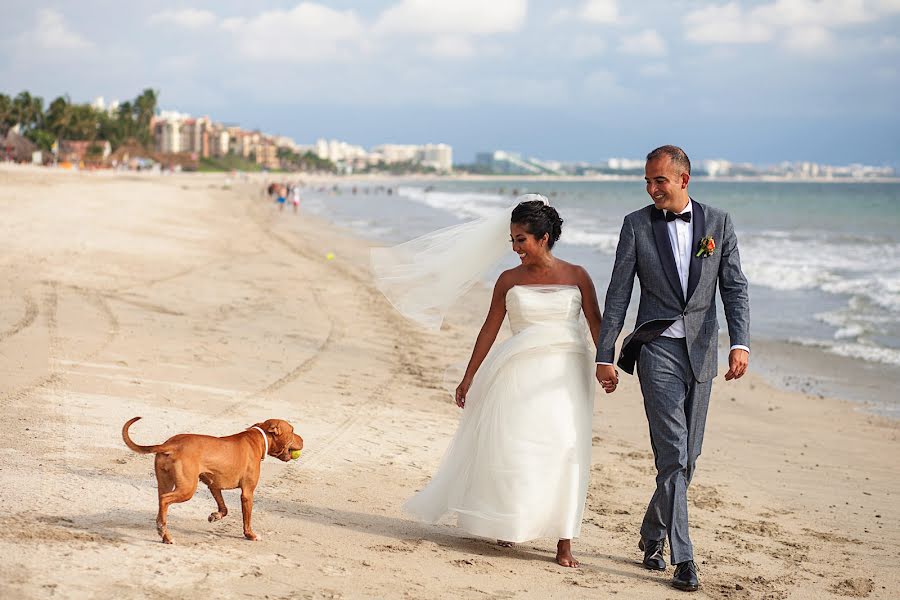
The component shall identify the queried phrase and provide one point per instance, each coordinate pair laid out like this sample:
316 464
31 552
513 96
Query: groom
681 251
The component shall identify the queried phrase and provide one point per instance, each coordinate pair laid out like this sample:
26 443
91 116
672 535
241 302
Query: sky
574 80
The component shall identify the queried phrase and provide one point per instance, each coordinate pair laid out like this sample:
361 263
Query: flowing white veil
423 277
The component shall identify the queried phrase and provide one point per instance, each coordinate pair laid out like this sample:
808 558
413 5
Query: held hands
738 360
461 390
608 378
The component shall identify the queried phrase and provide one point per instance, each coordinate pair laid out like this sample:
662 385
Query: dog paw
216 516
252 536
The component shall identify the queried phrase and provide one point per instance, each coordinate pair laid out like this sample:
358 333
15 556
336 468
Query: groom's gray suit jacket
645 250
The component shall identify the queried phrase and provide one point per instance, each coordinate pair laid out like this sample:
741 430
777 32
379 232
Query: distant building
437 156
337 151
266 153
167 132
99 104
502 162
218 141
395 153
716 168
625 164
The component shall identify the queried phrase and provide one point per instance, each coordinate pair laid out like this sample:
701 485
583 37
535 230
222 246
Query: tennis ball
329 256
295 454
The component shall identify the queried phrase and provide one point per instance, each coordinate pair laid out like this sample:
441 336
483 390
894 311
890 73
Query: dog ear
274 428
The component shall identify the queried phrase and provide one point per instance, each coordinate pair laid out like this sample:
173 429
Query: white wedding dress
518 466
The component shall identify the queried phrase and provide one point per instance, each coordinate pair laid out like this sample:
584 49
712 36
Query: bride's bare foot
504 544
564 554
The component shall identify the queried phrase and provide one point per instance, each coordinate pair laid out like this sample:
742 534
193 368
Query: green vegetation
63 120
291 161
229 162
399 168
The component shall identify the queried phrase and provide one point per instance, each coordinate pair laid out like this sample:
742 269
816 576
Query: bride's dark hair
538 218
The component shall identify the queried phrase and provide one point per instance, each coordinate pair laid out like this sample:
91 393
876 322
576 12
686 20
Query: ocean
822 259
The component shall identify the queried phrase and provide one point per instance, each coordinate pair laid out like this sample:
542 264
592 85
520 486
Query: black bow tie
685 216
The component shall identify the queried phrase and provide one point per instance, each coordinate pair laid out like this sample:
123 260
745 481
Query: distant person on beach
518 467
681 252
295 197
282 197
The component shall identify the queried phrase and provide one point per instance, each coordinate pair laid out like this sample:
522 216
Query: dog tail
131 444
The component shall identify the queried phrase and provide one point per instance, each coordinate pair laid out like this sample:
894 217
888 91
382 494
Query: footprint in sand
857 587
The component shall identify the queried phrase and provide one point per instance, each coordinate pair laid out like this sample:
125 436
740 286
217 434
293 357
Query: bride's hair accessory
533 198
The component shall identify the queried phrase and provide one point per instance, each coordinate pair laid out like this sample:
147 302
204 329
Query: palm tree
58 119
145 108
6 114
85 122
126 120
28 110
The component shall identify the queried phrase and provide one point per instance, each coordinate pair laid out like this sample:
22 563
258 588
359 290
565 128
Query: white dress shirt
681 236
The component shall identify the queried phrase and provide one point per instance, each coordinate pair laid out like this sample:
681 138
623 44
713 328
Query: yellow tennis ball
295 454
329 256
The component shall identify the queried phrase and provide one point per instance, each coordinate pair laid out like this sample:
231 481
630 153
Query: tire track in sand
27 320
321 453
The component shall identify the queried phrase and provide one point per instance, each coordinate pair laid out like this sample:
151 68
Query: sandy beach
190 301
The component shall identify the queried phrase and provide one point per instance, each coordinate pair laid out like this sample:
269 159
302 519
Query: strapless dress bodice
529 305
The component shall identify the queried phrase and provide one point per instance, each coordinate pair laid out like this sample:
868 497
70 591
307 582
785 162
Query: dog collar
265 439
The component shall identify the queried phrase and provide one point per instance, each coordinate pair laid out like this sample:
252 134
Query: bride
517 468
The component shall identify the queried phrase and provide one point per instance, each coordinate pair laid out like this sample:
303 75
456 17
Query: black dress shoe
685 577
653 554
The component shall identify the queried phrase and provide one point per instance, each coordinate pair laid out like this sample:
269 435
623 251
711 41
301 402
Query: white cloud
600 11
179 64
810 13
52 33
560 16
450 46
424 17
808 39
887 6
586 46
308 32
724 24
801 25
655 70
189 18
644 43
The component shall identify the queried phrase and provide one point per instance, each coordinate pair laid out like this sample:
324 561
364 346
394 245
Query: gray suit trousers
676 406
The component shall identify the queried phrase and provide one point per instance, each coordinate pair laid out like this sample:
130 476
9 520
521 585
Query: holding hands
461 390
738 359
608 378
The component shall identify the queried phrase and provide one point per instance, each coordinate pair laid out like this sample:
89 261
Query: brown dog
222 463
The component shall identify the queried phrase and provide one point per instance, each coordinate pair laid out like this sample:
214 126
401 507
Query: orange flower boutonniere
707 247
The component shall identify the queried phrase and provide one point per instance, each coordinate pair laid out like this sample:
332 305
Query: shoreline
268 175
204 310
784 363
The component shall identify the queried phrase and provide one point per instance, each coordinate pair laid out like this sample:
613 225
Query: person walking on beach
282 196
295 197
519 463
681 251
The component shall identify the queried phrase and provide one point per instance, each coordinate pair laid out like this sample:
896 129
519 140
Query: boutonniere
706 247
